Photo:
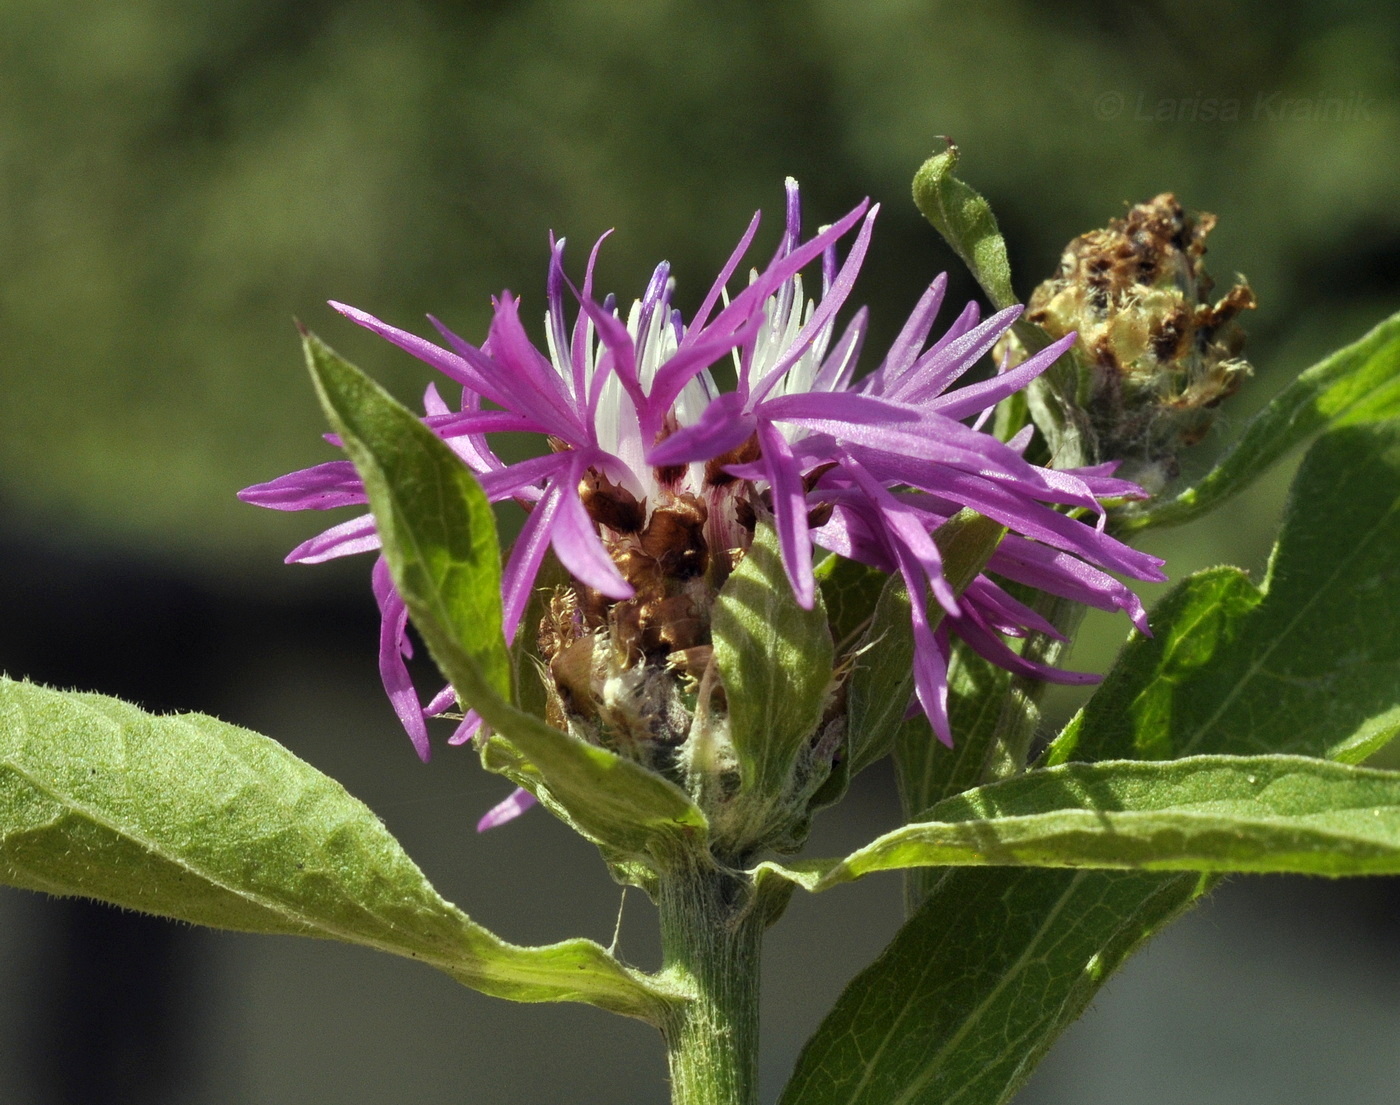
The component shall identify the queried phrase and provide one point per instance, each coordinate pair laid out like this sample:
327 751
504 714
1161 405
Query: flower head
653 480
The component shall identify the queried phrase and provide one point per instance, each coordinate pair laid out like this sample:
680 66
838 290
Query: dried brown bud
1162 358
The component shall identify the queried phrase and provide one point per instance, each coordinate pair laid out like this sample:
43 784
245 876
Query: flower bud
1160 358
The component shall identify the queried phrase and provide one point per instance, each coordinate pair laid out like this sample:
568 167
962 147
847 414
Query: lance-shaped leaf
997 962
850 591
980 705
1309 663
1262 814
192 818
965 220
1356 384
439 538
881 683
978 983
775 659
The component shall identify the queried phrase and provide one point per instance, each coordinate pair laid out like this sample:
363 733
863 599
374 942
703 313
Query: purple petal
840 364
554 297
781 269
902 528
1044 524
393 646
471 725
789 514
905 350
823 409
1061 573
453 365
462 423
826 310
507 483
980 396
576 542
991 647
518 576
441 701
532 385
930 665
355 536
507 810
722 426
333 484
717 288
1012 617
687 363
934 371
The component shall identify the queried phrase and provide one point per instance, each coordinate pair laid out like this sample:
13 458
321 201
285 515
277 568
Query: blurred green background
178 181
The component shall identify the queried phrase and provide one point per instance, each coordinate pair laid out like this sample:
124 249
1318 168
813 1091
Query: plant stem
711 937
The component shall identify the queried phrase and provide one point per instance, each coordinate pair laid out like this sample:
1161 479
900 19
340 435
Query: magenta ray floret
866 468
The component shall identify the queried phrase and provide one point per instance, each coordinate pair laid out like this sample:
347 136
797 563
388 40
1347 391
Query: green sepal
1359 383
439 539
1222 814
189 817
1308 664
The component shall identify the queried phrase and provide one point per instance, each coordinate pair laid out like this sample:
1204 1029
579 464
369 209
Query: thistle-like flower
654 479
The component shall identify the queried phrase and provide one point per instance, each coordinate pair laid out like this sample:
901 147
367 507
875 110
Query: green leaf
1263 814
998 961
850 591
980 705
966 222
1308 664
438 532
776 660
970 994
192 818
440 541
1357 384
881 683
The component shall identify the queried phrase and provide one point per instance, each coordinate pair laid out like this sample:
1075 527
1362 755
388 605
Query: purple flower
652 472
892 459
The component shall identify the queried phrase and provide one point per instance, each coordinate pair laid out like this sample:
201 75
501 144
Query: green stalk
711 937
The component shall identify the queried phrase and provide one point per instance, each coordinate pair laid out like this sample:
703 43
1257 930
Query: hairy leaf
192 818
958 1009
440 541
1263 814
1309 663
998 961
776 662
966 222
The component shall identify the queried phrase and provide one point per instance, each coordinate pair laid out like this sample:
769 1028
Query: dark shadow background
178 181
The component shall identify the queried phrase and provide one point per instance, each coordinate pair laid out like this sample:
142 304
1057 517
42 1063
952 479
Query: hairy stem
711 937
